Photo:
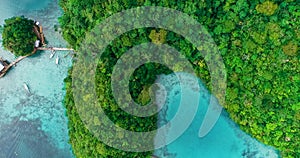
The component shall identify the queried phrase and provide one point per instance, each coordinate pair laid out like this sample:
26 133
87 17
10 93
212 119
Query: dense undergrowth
259 43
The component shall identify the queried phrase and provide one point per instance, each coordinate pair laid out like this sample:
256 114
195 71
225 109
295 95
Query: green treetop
18 36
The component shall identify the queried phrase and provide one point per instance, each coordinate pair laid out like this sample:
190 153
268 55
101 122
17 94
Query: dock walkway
7 67
38 30
55 48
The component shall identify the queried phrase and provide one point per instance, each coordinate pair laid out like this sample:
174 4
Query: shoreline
251 145
251 62
46 82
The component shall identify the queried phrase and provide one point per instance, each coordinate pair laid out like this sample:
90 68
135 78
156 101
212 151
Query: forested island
18 35
258 41
20 39
23 37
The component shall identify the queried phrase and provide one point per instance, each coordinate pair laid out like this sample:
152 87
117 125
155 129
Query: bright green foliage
259 38
267 8
18 36
274 33
228 26
290 49
260 54
144 96
158 37
84 144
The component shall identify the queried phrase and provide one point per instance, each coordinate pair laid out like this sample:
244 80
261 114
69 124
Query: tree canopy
18 36
258 41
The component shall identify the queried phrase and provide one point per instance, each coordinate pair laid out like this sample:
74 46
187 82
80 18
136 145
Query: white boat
26 88
52 54
57 61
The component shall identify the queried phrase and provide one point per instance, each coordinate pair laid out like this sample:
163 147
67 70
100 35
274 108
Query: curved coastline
44 91
237 144
254 49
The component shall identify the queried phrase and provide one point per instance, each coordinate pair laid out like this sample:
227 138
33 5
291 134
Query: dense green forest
258 41
18 36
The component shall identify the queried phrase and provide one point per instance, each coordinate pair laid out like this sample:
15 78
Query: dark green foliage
84 144
18 36
259 43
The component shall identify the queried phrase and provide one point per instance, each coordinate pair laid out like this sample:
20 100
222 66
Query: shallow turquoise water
225 140
34 126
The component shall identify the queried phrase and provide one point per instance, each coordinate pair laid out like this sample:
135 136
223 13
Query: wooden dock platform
38 30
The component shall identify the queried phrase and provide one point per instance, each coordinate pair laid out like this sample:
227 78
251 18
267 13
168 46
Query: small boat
26 88
57 60
52 54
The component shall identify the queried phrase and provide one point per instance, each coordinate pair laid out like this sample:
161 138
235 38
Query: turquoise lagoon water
225 140
34 126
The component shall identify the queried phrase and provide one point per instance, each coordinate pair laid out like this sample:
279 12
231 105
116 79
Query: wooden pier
55 48
7 67
38 30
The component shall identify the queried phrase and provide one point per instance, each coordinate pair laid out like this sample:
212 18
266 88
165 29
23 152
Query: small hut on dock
1 67
38 30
